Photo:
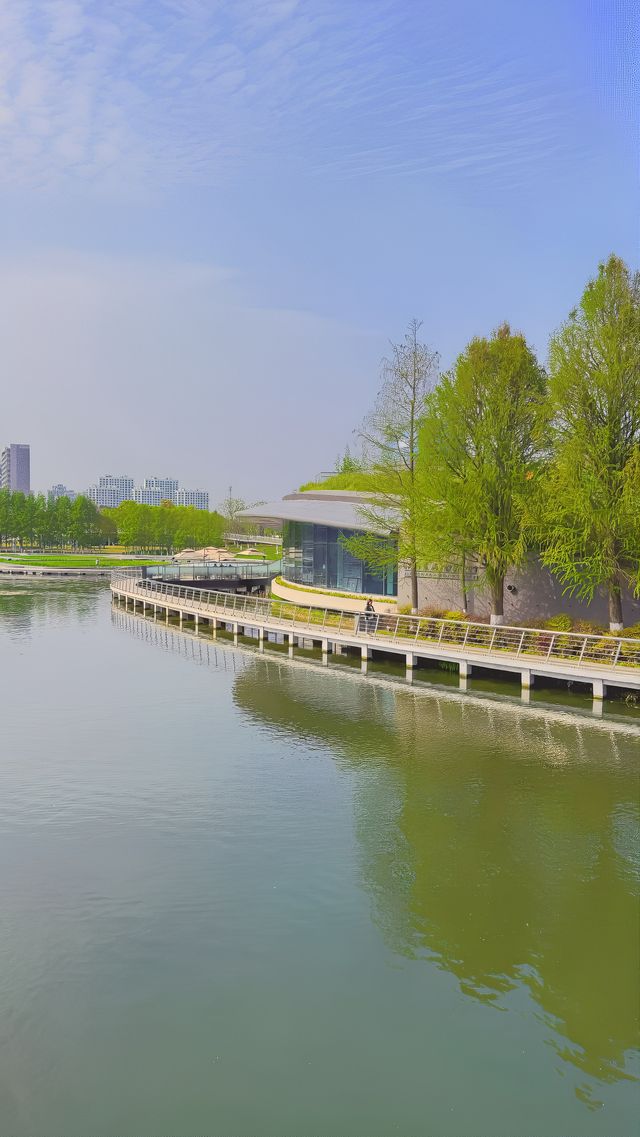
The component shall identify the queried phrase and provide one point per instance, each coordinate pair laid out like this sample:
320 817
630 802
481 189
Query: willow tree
480 446
591 531
389 436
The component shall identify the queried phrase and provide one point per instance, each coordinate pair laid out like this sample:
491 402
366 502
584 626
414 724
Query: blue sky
216 213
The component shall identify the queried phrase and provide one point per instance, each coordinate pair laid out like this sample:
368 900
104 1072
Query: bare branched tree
389 437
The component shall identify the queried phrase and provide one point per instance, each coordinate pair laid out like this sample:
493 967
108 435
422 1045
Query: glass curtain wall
315 555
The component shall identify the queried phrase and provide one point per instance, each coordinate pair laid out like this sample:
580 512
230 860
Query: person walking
369 619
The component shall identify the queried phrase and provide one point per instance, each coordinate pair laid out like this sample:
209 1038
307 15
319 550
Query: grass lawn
271 553
70 560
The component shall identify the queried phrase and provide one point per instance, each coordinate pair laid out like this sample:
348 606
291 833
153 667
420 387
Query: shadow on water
495 840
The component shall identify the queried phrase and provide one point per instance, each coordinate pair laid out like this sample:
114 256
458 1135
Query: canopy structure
336 509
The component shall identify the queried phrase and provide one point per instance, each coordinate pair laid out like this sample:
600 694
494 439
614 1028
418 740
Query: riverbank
70 564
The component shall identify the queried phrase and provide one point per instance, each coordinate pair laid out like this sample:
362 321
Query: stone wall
531 593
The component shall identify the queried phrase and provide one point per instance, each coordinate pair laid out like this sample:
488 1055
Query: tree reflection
495 841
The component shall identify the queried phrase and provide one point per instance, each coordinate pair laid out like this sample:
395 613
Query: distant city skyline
112 489
217 216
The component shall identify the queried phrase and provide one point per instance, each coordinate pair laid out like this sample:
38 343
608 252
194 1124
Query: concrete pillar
196 620
260 639
411 661
598 707
365 652
465 669
527 679
181 614
235 633
526 695
290 637
337 649
598 689
463 682
166 615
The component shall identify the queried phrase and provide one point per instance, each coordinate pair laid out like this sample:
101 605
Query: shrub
589 628
560 623
632 632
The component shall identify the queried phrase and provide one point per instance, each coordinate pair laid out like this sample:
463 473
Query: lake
244 896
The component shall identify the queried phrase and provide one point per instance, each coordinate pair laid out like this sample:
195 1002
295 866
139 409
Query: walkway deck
601 661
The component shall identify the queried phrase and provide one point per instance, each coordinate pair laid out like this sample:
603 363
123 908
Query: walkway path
601 661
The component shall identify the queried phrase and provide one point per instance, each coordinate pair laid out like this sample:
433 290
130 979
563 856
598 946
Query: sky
216 214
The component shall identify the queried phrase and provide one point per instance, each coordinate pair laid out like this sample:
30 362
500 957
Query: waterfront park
320 807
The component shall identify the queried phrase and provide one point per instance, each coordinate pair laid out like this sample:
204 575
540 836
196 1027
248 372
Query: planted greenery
480 446
590 531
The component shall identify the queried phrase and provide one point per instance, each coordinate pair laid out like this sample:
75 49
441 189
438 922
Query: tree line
165 527
35 520
501 457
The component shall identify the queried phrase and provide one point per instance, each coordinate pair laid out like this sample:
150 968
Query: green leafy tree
85 522
591 524
480 446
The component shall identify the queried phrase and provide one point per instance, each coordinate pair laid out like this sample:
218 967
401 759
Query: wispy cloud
128 95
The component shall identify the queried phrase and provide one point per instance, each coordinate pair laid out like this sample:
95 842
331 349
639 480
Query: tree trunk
615 606
414 587
463 582
497 599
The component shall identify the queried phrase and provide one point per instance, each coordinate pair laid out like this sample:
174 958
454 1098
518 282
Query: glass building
315 528
316 555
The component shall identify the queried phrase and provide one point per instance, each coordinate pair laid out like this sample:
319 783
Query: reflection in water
498 842
32 602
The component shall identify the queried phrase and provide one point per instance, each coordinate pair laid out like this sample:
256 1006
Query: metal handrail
604 649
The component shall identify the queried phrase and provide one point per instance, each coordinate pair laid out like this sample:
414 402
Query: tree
390 437
591 530
85 522
347 463
480 447
230 508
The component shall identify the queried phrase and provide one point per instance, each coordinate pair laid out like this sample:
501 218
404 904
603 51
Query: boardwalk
600 661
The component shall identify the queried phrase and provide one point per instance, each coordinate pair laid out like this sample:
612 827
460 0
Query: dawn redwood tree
591 523
390 440
480 445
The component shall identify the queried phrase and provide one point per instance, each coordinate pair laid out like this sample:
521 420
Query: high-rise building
155 490
111 490
61 491
15 468
198 498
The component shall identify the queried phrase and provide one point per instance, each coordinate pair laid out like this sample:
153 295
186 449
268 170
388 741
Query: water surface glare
243 896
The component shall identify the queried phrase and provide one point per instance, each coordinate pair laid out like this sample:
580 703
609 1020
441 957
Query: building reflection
495 841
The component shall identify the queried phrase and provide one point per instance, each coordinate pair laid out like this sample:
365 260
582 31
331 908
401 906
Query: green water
248 897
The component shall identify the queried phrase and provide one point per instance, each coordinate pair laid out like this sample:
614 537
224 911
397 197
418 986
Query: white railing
460 635
252 539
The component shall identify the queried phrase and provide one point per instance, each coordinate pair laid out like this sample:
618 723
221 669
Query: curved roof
333 508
